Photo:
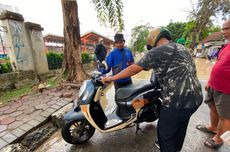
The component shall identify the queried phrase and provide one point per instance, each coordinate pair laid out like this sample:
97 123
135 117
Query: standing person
181 90
181 41
100 51
218 94
118 59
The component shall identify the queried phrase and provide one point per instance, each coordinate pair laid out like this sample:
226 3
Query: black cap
118 37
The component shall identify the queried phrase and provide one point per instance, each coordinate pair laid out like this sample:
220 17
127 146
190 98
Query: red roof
92 35
216 36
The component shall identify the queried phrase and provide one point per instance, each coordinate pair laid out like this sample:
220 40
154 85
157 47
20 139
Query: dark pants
118 85
171 128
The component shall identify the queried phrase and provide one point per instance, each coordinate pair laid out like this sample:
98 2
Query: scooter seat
134 88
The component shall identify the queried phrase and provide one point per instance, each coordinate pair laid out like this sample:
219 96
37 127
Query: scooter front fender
74 115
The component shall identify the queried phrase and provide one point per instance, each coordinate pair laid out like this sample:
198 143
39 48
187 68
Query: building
211 43
89 40
53 43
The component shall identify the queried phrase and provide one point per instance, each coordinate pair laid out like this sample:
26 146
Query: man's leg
222 102
224 125
214 117
167 128
185 115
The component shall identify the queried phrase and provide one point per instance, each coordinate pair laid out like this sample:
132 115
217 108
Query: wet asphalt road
127 140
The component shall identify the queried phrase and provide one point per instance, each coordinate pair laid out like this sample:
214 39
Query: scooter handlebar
102 81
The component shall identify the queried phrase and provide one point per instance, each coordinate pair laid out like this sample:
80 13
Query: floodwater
127 140
203 67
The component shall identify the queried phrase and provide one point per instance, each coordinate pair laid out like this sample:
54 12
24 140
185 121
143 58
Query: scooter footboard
74 114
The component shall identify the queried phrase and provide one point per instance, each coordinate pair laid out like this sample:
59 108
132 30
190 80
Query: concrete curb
57 117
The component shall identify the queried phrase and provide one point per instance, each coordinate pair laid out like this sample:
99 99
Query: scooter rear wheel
77 132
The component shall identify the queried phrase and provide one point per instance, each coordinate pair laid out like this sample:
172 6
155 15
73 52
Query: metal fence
54 64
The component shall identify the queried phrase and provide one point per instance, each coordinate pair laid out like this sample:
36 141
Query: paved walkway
23 115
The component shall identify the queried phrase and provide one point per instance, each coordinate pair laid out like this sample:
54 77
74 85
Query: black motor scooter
136 103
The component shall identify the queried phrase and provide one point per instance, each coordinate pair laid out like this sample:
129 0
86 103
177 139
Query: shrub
54 60
5 67
85 57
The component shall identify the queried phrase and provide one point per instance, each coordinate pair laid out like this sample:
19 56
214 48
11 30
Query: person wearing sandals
218 94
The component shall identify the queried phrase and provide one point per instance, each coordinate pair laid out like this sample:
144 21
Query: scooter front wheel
77 132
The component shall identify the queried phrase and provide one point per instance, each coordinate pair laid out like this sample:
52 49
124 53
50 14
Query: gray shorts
220 100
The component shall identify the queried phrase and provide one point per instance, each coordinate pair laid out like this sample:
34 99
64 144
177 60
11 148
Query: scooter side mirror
96 74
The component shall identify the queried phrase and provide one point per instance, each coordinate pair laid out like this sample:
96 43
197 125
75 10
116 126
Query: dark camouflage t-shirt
176 73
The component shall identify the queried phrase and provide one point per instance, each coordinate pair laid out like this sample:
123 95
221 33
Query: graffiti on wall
17 33
37 35
4 48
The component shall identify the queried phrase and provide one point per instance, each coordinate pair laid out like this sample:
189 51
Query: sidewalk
19 117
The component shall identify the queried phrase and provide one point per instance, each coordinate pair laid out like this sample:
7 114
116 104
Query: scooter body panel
74 114
133 106
89 116
87 93
95 114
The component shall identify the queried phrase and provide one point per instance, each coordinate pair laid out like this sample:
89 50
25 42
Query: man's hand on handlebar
106 79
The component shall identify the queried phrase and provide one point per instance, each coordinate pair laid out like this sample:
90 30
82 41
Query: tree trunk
72 63
193 44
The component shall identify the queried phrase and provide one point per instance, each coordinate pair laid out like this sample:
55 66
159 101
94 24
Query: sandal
204 129
211 144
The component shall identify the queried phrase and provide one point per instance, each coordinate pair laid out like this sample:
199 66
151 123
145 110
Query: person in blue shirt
118 59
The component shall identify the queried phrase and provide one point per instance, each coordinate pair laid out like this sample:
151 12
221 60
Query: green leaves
5 65
139 37
85 57
110 12
54 60
202 15
177 29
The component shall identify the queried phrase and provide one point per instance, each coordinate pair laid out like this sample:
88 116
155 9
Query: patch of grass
14 94
6 96
54 81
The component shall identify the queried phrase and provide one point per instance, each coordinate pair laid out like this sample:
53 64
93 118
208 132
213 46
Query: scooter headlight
82 89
